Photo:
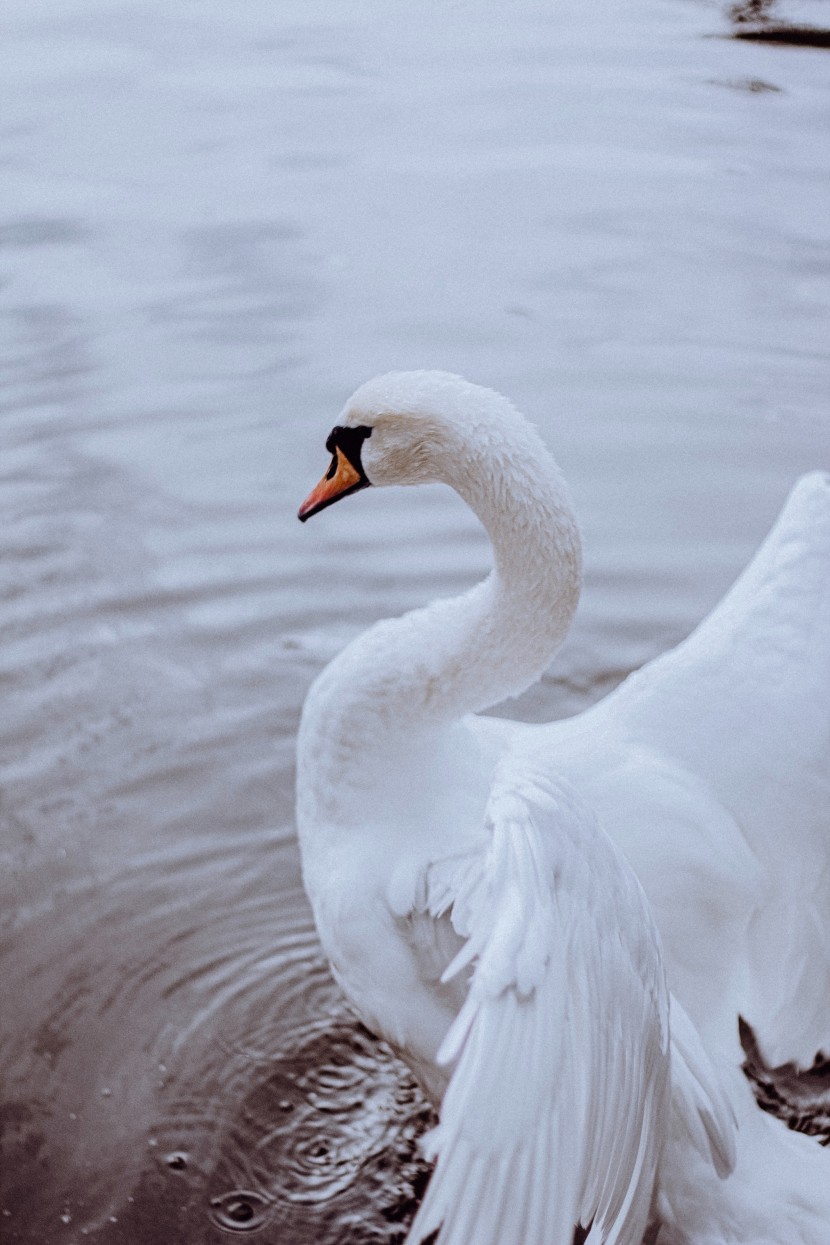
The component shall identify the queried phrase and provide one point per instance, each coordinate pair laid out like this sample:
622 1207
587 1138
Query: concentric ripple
326 1137
240 1211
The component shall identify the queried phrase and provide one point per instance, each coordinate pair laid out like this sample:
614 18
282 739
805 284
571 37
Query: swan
559 926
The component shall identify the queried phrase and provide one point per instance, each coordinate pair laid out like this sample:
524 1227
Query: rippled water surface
215 221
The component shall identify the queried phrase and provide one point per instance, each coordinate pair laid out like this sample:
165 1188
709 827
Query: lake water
215 221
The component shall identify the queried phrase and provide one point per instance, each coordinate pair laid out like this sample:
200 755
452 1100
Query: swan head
409 428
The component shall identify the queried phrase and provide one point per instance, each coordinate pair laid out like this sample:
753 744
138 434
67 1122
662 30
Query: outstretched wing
557 1103
744 704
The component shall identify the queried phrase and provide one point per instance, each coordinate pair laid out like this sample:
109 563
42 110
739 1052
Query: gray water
215 221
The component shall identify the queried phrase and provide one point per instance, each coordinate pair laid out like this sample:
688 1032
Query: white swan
434 840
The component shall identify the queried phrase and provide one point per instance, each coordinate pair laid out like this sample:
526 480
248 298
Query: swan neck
461 655
532 593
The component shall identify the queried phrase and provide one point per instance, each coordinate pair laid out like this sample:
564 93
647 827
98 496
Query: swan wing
744 702
744 705
552 1121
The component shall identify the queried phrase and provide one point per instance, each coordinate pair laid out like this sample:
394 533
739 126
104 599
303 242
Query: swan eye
349 441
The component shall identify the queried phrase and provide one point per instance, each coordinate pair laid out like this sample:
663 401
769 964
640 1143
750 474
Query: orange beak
340 479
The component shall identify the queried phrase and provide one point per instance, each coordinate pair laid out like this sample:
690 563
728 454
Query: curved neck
420 672
510 627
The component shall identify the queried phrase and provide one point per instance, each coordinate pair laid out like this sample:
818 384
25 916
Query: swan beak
340 479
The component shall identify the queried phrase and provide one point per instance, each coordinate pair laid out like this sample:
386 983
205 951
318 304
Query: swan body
510 906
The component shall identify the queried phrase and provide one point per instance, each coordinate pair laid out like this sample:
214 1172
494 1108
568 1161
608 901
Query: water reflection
763 21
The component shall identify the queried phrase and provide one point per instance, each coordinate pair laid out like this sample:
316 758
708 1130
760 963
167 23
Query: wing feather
555 1109
698 1101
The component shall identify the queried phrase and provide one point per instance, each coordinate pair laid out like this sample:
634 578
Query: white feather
517 1094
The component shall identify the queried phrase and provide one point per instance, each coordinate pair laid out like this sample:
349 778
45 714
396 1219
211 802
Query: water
215 221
